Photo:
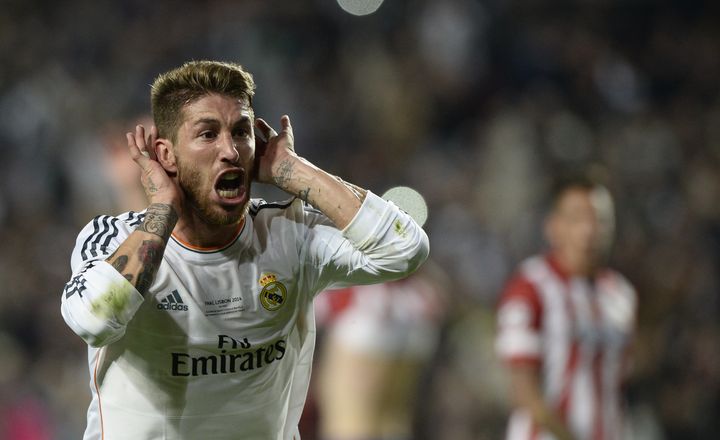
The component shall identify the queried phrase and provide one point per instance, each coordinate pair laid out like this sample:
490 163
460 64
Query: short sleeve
519 321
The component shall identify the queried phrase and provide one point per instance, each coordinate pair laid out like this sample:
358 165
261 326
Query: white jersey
577 332
221 346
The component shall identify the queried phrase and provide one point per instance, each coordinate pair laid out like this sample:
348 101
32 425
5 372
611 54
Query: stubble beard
191 183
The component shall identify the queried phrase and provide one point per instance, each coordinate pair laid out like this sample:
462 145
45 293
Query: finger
266 130
286 126
135 153
140 140
150 142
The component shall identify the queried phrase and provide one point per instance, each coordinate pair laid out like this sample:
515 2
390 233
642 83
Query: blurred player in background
198 310
377 342
564 323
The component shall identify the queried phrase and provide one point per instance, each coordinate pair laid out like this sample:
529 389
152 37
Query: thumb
286 126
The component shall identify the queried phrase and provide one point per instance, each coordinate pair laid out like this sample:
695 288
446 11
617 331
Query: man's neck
198 233
573 266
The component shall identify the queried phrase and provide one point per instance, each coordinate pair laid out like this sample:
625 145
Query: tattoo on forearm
150 255
285 171
150 252
144 281
120 262
304 195
160 220
151 186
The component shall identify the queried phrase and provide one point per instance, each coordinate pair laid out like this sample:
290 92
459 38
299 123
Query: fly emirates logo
235 356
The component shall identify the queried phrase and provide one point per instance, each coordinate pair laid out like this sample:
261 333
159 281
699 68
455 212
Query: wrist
160 220
169 200
293 174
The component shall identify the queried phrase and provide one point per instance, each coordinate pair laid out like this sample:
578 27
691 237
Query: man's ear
165 155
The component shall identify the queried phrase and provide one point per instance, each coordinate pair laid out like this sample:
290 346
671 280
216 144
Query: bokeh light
360 7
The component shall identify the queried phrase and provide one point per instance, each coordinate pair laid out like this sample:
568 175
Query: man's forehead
596 200
217 107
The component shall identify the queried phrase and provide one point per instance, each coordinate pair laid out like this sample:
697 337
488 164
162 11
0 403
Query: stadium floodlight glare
360 7
409 201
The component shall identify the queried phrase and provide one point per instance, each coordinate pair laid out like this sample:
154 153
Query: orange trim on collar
211 248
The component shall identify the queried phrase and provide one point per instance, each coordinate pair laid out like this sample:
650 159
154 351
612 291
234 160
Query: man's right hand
159 186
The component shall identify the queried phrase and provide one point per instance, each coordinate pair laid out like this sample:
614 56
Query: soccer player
564 323
198 310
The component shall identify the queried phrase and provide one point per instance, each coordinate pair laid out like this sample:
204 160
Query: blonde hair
172 90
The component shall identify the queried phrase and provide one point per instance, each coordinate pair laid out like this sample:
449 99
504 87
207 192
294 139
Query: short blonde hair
172 90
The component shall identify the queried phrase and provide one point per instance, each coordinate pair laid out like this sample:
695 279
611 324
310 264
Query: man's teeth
230 176
229 193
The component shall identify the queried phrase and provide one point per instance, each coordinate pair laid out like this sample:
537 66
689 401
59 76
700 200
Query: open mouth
229 184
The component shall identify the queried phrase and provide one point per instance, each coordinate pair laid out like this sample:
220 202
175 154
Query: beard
197 195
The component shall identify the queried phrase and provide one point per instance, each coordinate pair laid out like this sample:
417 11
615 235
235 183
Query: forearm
527 395
139 256
544 417
380 244
103 296
337 199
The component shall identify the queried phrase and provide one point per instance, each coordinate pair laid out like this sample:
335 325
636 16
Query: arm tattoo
160 220
151 187
144 281
304 195
285 171
150 254
120 262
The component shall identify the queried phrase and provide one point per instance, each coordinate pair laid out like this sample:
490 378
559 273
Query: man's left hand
275 154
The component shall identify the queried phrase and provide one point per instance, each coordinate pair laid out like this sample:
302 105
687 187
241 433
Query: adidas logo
172 302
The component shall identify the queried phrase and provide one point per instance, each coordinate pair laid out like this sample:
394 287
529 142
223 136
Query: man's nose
229 150
590 229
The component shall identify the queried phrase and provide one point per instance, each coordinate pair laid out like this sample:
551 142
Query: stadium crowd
476 104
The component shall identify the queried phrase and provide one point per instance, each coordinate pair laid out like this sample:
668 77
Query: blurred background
476 104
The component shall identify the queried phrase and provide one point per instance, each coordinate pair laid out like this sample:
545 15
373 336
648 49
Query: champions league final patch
273 294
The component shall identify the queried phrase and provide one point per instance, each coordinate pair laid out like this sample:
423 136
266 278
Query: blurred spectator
23 414
378 342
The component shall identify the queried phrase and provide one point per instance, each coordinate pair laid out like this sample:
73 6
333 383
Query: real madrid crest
273 294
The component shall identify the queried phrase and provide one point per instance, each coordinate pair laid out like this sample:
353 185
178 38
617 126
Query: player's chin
228 210
224 215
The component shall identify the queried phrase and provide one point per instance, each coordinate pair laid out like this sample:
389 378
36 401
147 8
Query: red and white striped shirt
576 330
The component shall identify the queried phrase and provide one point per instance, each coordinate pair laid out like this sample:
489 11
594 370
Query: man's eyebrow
205 121
244 119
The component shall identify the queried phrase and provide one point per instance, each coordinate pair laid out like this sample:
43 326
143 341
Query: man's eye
241 133
208 135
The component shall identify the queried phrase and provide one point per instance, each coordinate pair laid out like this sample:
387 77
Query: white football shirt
221 346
